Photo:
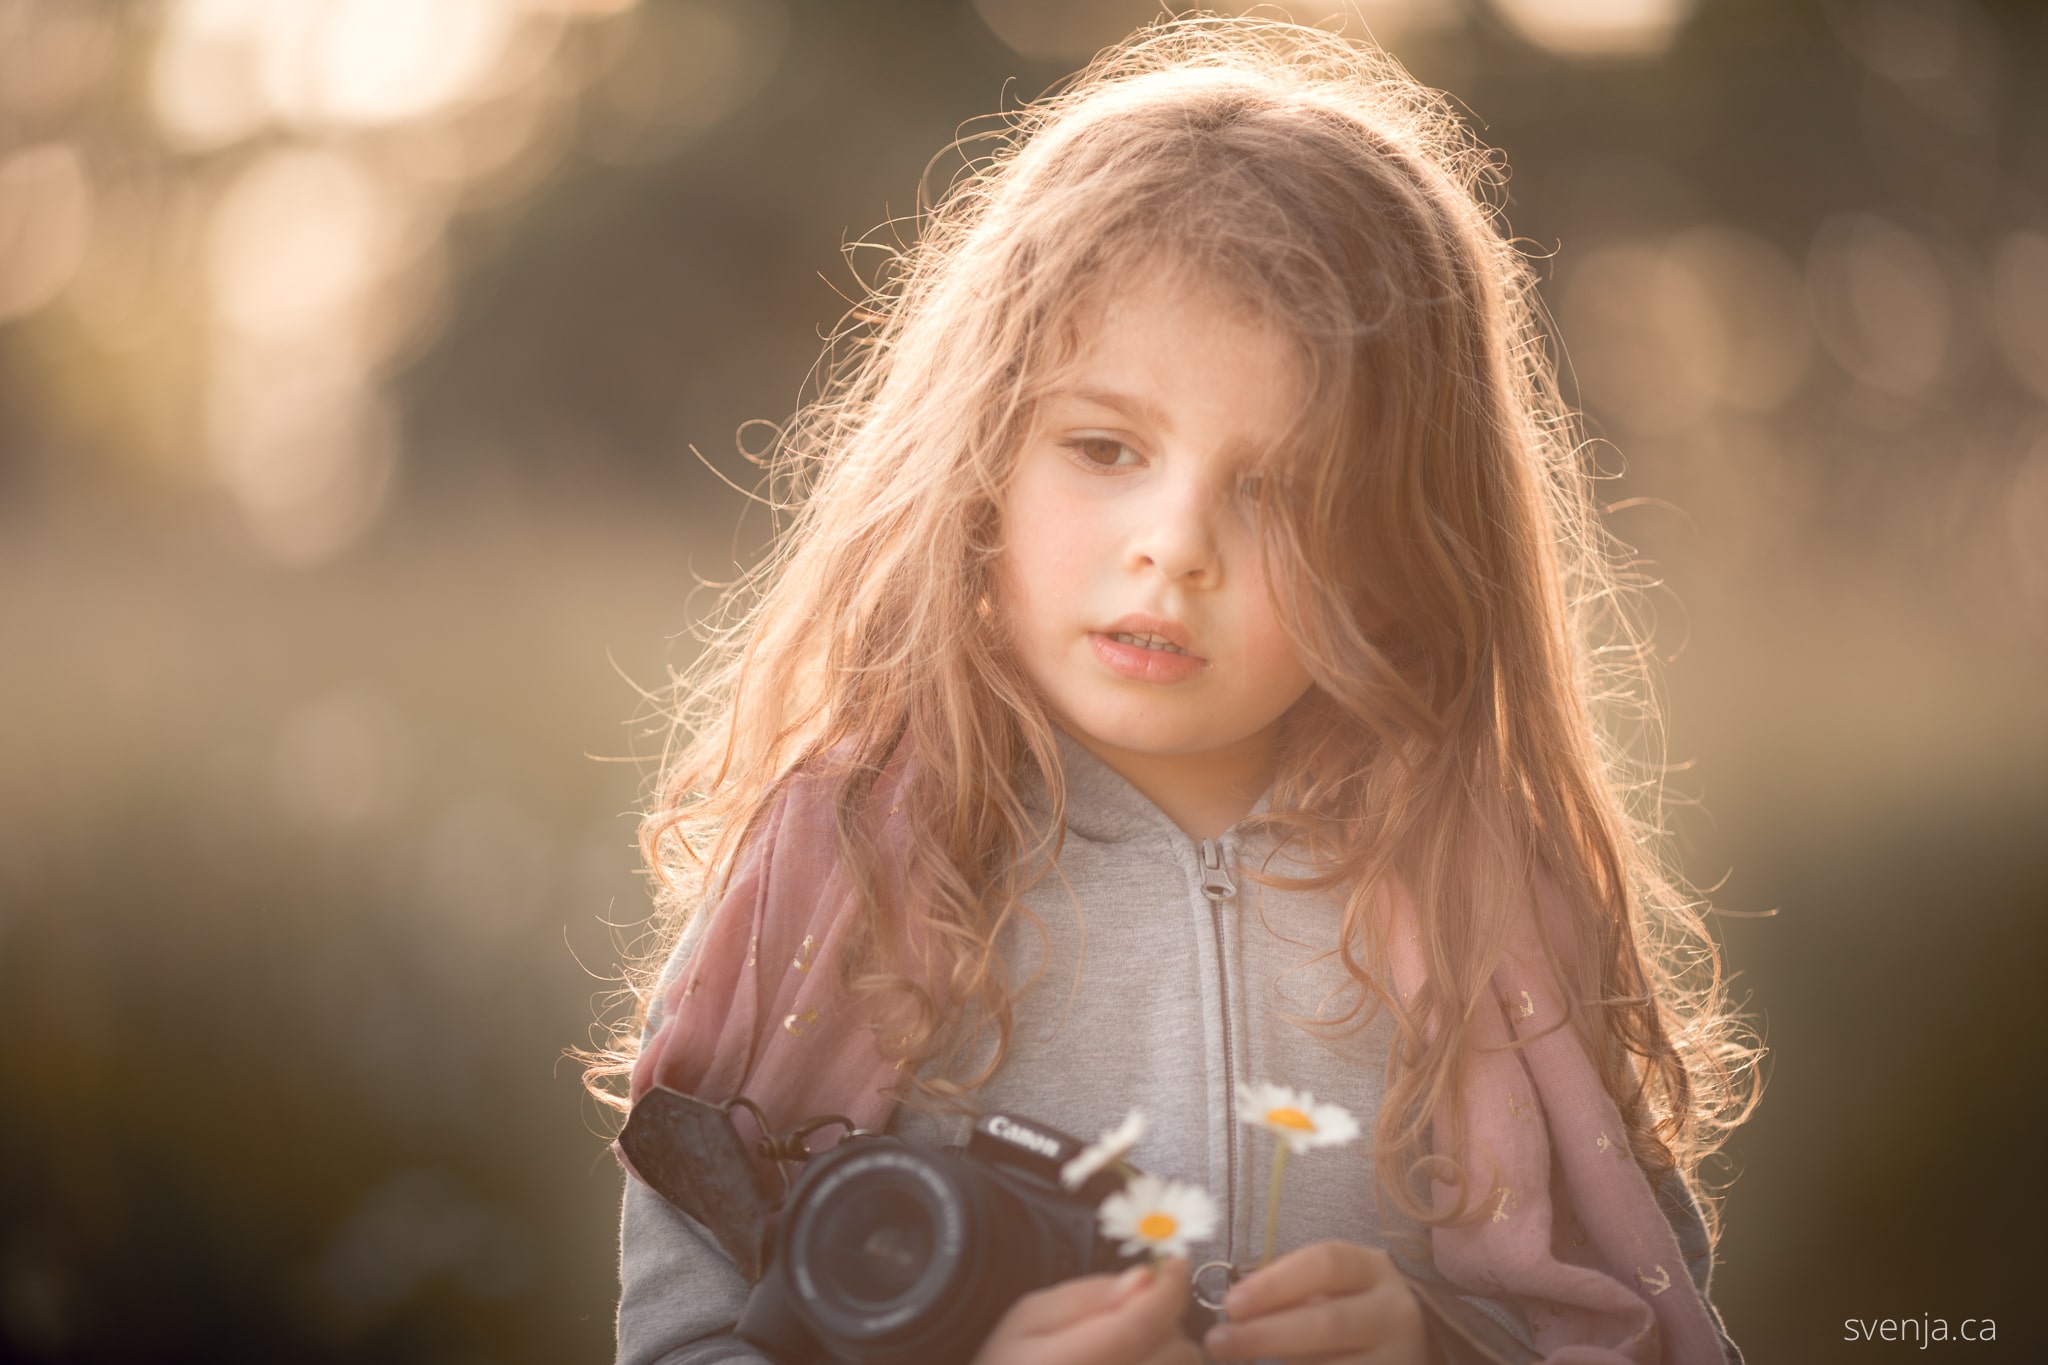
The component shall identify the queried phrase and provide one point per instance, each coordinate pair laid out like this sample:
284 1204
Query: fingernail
1132 1278
1217 1342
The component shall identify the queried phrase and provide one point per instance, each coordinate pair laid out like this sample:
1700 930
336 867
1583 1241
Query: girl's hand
1128 1319
1334 1303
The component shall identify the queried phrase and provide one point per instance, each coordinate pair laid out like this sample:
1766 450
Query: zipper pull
1216 883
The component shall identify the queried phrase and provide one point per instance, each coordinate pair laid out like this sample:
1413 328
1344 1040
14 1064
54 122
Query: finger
1332 1268
1146 1320
1050 1309
1352 1322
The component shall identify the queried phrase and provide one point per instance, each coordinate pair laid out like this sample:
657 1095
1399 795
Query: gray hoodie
1162 979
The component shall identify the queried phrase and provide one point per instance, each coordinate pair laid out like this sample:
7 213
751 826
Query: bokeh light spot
1881 303
45 217
49 62
1754 290
1646 342
202 84
327 63
299 236
2019 306
689 64
306 445
1598 28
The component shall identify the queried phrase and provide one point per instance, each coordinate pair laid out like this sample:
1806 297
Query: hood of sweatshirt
1101 805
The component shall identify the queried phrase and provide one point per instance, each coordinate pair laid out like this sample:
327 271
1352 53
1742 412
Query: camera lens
895 1253
887 1235
876 1241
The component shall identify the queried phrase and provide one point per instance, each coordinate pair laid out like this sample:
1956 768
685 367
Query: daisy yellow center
1156 1227
1290 1118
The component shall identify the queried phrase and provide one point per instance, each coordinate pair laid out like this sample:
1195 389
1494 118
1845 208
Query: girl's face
1130 575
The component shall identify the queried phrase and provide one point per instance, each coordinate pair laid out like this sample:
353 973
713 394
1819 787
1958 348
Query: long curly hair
1483 716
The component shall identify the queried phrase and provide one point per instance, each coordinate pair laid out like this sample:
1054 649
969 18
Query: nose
1175 534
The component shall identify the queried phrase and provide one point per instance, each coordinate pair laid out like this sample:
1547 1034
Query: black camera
891 1253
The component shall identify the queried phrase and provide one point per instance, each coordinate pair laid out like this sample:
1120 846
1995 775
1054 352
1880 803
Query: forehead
1180 353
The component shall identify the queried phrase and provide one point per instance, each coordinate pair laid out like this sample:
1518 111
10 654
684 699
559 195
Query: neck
1204 793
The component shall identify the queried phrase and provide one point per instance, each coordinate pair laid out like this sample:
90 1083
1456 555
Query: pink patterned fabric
1571 1229
737 1019
1573 1232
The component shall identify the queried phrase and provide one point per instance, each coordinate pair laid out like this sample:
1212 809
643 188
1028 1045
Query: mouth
1148 649
1154 633
1158 642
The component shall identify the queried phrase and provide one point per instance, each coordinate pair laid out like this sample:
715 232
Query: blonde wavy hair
1480 682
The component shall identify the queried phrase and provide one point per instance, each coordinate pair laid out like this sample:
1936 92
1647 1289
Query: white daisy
1158 1216
1106 1150
1294 1117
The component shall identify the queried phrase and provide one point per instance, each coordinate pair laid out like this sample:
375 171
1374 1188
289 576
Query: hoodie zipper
1218 888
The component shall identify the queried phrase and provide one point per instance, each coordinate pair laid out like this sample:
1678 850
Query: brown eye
1100 450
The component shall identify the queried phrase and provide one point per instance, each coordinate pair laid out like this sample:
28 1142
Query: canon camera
892 1253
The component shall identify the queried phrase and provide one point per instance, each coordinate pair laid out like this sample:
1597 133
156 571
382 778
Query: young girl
1181 675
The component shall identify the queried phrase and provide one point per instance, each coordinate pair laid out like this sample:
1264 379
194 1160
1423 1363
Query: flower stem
1273 1201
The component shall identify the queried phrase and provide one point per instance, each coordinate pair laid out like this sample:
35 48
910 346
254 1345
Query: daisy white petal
1158 1217
1295 1118
1106 1150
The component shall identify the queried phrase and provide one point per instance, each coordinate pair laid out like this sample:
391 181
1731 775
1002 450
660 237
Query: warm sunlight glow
1598 28
45 216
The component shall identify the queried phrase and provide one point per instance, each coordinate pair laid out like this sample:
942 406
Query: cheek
1281 673
1029 571
1045 541
1280 669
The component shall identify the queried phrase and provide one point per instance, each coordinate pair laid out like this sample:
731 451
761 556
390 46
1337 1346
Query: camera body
890 1253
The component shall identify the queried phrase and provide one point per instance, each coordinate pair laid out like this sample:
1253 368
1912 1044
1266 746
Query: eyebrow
1129 404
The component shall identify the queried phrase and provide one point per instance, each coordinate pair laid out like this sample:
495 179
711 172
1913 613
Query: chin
1148 736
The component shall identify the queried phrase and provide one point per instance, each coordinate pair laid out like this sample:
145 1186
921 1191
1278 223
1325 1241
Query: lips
1148 649
1155 630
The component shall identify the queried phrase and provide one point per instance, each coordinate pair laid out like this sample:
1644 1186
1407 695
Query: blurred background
352 353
